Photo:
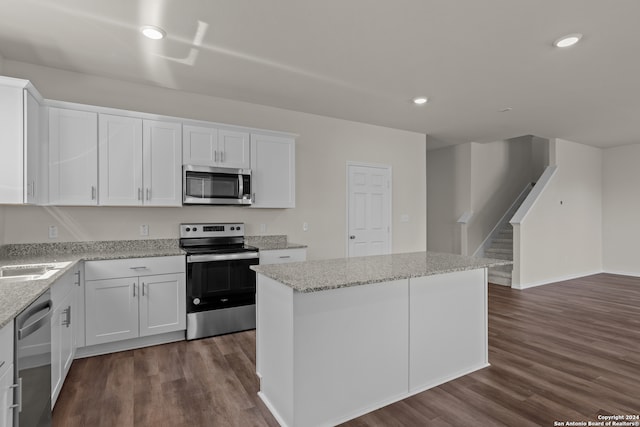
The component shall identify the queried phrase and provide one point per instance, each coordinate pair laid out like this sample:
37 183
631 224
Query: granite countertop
312 276
271 243
15 296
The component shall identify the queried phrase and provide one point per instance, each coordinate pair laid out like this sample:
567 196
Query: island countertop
320 275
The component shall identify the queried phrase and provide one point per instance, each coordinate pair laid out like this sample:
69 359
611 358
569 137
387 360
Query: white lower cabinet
6 375
120 308
63 330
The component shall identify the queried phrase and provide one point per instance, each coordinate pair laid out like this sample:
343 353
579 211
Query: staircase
501 248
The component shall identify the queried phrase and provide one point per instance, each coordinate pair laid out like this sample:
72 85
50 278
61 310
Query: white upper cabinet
140 162
162 163
208 146
120 160
233 147
273 180
73 157
21 139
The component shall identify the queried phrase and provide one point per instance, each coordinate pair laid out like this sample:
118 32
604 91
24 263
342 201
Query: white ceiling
364 60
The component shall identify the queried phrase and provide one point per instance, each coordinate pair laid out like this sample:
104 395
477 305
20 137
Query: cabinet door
61 344
32 140
73 157
11 145
111 310
273 171
199 145
6 396
162 163
162 304
233 149
120 159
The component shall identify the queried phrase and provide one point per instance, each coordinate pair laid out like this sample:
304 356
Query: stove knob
196 301
187 229
195 228
233 228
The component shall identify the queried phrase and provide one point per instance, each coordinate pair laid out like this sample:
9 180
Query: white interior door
369 209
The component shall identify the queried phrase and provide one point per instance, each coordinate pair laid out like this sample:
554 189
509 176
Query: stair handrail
533 196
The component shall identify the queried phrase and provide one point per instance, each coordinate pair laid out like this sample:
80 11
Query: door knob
352 237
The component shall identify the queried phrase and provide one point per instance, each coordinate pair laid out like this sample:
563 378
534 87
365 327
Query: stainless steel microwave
205 185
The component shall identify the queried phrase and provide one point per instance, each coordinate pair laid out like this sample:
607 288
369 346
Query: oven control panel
231 229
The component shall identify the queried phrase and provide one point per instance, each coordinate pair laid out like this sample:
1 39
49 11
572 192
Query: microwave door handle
240 186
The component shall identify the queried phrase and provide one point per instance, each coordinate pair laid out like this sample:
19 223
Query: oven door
209 185
220 280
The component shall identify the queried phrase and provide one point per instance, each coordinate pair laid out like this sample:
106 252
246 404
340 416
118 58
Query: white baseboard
112 347
556 280
623 273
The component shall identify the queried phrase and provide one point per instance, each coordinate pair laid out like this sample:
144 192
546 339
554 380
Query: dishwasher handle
27 328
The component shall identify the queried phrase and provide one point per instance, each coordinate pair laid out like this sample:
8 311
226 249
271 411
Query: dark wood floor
562 352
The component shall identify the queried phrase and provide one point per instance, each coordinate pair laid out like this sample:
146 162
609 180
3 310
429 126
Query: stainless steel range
221 288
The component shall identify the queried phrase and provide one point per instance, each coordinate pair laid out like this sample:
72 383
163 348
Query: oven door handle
222 257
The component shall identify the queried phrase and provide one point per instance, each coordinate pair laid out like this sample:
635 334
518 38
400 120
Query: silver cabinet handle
67 321
141 267
285 256
77 273
253 198
215 155
18 394
143 286
222 157
139 193
134 290
2 364
148 193
93 192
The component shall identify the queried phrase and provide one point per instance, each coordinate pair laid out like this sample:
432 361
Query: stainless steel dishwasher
33 364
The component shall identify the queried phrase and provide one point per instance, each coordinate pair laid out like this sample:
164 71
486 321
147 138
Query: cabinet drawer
282 256
6 346
131 267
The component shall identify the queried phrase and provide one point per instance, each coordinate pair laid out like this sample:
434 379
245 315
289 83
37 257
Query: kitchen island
336 339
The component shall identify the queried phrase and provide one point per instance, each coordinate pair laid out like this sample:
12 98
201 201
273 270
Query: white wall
539 156
499 172
448 195
322 150
621 205
561 235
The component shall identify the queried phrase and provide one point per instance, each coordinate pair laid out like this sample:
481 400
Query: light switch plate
144 230
404 218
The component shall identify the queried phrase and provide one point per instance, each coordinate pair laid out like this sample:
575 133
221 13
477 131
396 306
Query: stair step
508 250
505 268
503 241
499 255
497 280
503 246
499 273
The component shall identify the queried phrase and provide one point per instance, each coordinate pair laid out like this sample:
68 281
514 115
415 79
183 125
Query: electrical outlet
305 226
404 218
144 230
263 228
53 232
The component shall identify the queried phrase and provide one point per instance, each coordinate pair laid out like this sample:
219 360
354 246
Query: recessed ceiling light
505 109
420 100
568 40
155 33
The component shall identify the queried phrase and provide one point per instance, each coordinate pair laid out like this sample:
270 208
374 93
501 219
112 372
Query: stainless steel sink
24 272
